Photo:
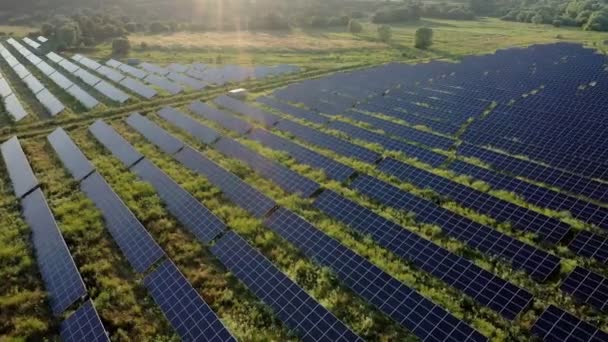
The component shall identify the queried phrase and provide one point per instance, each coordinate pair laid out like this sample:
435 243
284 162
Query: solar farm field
438 201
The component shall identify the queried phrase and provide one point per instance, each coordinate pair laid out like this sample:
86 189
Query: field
126 306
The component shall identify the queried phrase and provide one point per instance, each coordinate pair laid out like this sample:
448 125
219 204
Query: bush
131 26
403 14
537 19
424 38
598 21
121 46
557 23
319 21
354 26
158 27
339 21
385 33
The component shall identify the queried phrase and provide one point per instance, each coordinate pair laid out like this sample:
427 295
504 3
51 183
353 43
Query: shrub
537 19
354 26
131 26
403 14
318 21
121 46
557 23
158 27
339 21
424 38
385 33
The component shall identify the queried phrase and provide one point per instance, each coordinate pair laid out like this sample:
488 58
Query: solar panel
110 73
88 101
50 102
190 316
233 187
69 66
61 278
166 142
327 141
287 179
300 312
89 63
202 133
87 77
224 119
558 325
113 63
294 111
481 285
19 170
21 71
134 241
333 169
45 68
54 57
265 118
425 319
77 57
137 73
195 217
590 245
119 147
70 155
163 83
35 60
5 88
185 80
138 88
177 67
14 108
12 61
42 39
588 287
154 68
84 325
111 92
61 80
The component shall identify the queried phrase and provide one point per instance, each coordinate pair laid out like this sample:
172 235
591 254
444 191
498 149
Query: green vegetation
424 38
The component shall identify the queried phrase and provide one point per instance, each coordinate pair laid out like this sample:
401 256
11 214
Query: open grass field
383 231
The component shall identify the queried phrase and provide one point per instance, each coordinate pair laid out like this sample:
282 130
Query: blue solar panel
226 120
265 118
233 187
70 155
549 229
424 155
590 245
84 325
187 312
18 167
327 141
166 142
403 304
287 179
588 287
119 147
294 111
558 325
333 169
195 217
483 286
203 133
300 312
61 277
134 241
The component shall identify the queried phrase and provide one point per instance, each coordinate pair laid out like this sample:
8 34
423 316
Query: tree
537 19
598 21
131 26
385 33
354 26
424 38
158 27
47 29
482 7
121 46
68 35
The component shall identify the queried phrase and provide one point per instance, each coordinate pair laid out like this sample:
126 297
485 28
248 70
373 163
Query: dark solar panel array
19 170
537 263
333 169
233 187
70 155
297 112
590 245
327 141
483 286
195 217
61 277
300 312
114 142
254 113
166 142
354 132
134 241
588 287
403 304
224 119
202 133
558 325
287 179
83 325
187 312
549 229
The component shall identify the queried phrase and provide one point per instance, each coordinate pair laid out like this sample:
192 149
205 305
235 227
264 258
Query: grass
17 31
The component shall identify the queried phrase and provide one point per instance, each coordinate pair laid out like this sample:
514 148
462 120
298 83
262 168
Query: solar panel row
71 156
222 118
166 142
202 133
84 325
558 325
263 117
19 170
587 286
